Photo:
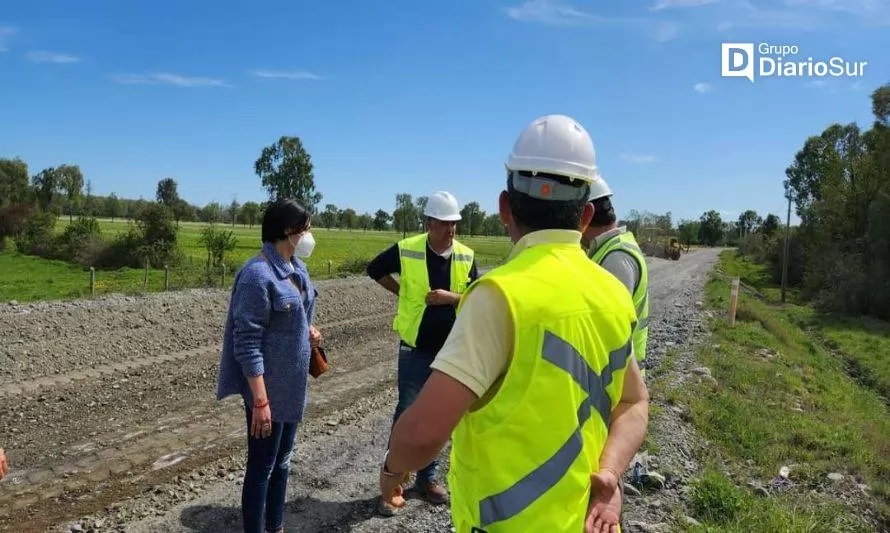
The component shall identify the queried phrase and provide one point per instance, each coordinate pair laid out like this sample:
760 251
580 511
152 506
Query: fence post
223 276
330 268
145 277
92 281
166 277
733 301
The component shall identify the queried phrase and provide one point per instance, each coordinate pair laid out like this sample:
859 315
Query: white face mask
305 245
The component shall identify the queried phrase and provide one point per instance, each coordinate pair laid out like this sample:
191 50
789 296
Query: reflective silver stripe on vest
642 306
412 254
463 258
524 492
630 247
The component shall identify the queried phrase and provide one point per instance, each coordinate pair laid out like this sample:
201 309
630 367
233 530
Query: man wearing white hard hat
434 271
536 386
616 249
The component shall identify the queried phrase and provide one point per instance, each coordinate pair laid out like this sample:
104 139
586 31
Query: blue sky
411 96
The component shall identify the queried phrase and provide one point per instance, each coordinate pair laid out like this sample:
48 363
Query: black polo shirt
437 319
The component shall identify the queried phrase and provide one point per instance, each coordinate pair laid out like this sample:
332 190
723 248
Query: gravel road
110 420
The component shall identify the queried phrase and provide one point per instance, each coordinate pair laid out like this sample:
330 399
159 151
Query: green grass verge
785 397
337 253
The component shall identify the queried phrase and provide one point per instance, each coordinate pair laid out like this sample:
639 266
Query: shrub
13 218
37 235
217 242
80 234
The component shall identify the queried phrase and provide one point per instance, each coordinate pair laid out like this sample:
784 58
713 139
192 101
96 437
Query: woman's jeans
265 482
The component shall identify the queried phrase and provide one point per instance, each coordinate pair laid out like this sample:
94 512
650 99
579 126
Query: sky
418 96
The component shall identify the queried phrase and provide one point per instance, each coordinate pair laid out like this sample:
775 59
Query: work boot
432 492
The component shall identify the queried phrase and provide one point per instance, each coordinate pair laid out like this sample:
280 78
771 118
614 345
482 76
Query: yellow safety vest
414 282
625 241
522 461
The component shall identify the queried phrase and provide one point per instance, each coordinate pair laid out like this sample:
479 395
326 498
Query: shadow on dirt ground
304 515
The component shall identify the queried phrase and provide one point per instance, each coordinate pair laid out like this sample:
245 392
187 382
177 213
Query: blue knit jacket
267 332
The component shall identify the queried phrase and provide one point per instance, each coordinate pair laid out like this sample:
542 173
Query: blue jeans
265 482
414 369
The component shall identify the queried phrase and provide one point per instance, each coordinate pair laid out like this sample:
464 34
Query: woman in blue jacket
265 357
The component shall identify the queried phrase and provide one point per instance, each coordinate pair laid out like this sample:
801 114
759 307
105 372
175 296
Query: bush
217 242
79 235
37 235
13 218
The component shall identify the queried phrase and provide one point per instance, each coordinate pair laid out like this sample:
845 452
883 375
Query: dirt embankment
110 419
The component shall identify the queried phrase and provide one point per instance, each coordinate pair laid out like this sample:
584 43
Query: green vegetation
794 388
338 253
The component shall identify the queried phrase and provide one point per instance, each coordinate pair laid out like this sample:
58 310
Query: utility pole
787 242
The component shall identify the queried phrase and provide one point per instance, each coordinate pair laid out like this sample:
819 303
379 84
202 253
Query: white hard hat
599 188
552 144
442 205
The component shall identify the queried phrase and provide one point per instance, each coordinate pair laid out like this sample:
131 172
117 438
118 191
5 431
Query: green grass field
337 253
794 388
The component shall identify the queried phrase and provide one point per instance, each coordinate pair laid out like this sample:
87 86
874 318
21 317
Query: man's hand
4 468
314 336
442 297
391 490
605 503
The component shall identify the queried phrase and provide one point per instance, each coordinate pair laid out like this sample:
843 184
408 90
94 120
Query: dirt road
110 420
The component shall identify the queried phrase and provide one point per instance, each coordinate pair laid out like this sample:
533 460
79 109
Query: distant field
337 253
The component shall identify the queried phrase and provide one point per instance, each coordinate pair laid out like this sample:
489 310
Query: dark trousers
414 370
265 482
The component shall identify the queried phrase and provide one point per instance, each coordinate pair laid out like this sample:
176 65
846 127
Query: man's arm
471 361
623 266
381 268
629 421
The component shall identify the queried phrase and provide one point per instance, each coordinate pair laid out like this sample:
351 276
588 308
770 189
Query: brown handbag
318 362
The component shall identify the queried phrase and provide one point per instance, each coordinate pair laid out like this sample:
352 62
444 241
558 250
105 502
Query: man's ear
586 216
504 208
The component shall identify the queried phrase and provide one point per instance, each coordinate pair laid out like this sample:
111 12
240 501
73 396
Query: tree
330 217
167 193
749 221
234 208
250 213
212 212
493 226
70 180
688 230
771 225
286 171
14 182
46 188
365 221
405 217
710 230
381 220
420 207
472 218
348 219
113 207
89 206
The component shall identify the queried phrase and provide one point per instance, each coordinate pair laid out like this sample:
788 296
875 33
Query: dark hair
533 214
282 218
603 212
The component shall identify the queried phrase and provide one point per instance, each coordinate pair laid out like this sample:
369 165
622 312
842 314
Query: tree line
839 186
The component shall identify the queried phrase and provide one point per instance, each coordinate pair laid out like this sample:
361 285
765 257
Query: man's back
572 322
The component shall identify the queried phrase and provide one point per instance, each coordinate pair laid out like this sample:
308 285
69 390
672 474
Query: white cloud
562 13
164 78
702 87
41 56
639 158
663 4
288 74
803 14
